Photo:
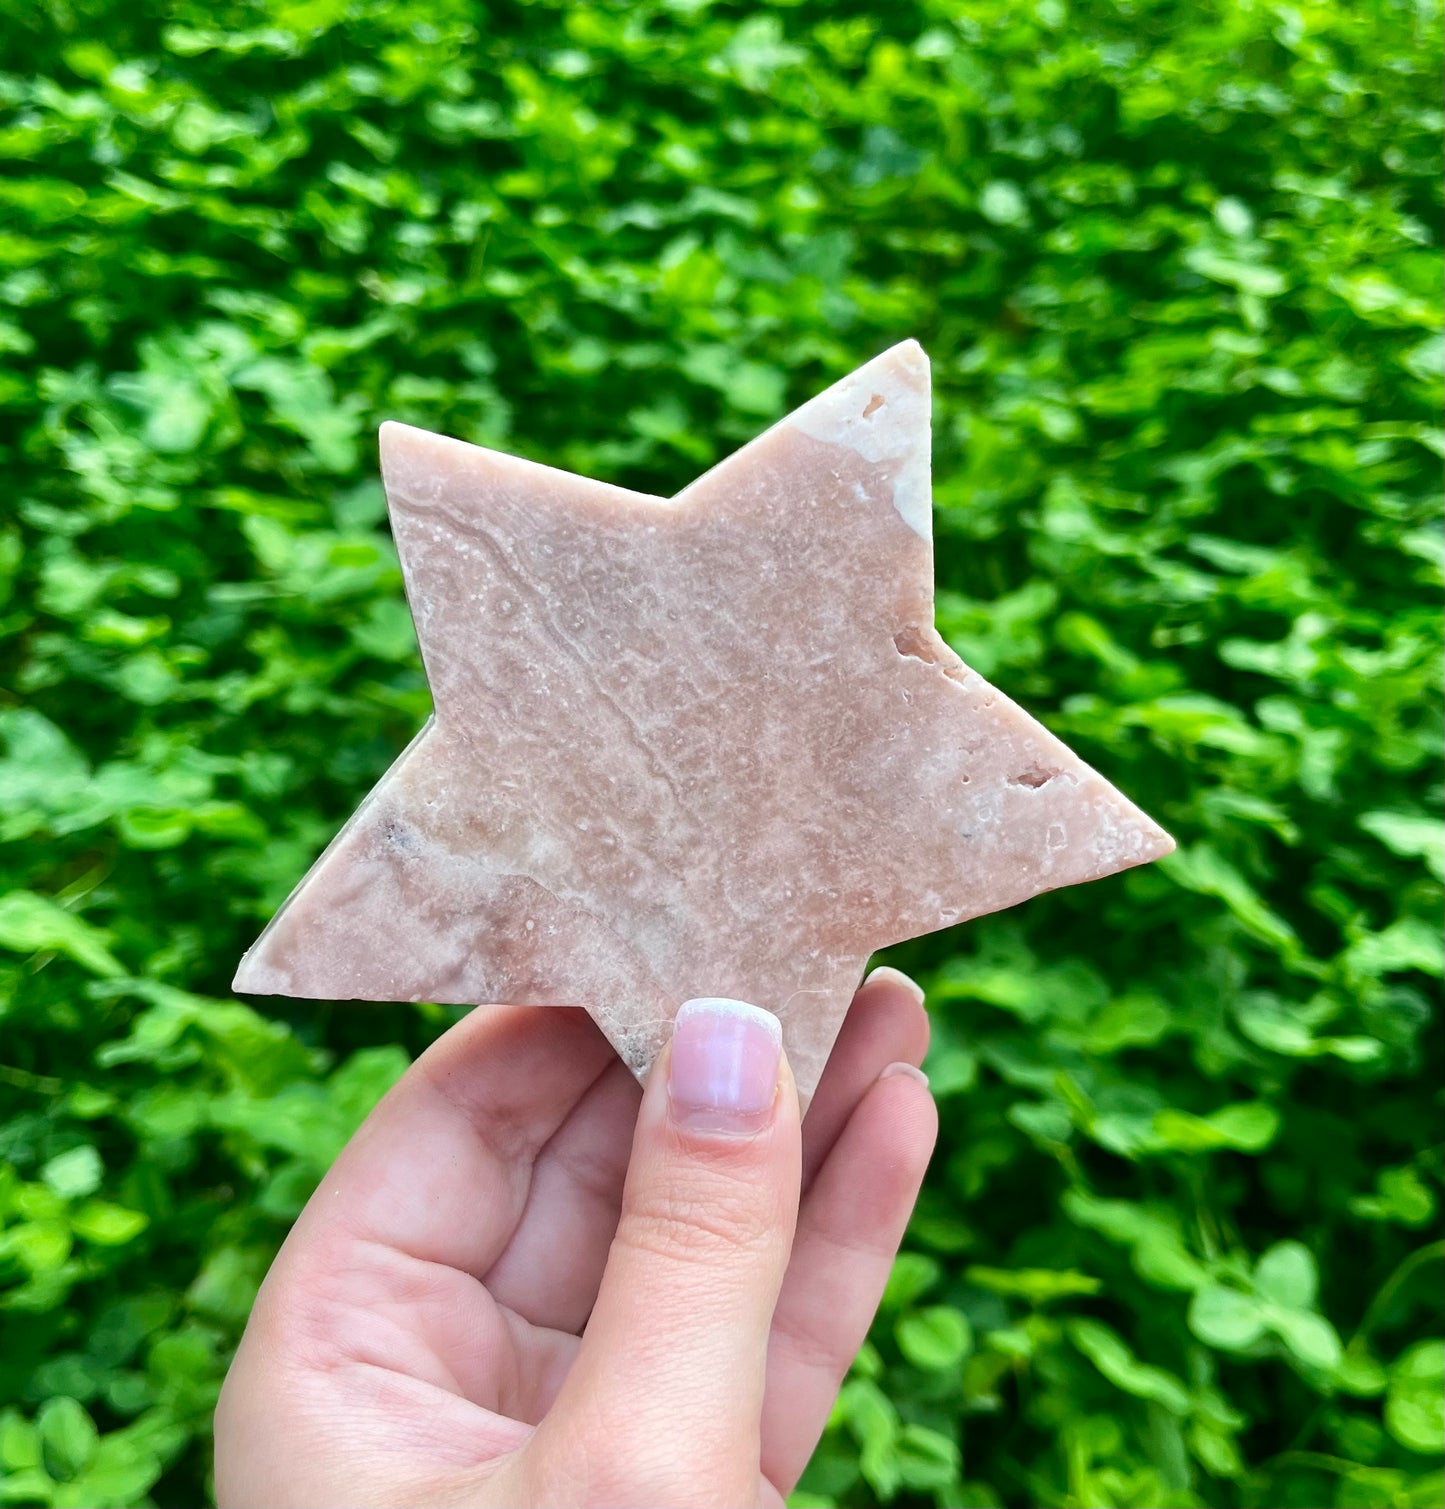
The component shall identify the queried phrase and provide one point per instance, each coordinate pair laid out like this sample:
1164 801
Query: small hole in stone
874 404
910 640
1034 778
916 643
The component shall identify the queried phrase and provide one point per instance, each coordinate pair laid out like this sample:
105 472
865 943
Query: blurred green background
1177 266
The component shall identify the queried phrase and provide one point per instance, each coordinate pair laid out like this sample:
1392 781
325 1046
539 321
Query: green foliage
1178 269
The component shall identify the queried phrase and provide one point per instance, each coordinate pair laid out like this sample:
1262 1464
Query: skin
526 1282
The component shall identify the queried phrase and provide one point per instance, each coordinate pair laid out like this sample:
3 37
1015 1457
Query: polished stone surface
705 746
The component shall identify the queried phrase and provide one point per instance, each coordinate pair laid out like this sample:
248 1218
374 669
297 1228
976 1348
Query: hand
487 1302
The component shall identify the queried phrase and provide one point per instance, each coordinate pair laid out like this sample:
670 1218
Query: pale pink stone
706 746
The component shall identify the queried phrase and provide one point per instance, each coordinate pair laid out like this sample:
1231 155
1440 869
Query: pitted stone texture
709 746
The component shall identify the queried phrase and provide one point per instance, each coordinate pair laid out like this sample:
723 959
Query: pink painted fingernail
724 1071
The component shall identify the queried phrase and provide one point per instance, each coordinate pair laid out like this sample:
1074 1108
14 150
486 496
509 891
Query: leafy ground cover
1178 268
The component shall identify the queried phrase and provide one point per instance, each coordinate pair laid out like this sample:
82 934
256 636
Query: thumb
663 1404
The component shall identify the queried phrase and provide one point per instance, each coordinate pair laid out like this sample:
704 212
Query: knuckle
700 1222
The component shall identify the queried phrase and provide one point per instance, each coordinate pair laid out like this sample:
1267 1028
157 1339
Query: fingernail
907 1071
724 1070
897 977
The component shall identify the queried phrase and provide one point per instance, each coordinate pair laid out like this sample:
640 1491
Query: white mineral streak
706 747
892 430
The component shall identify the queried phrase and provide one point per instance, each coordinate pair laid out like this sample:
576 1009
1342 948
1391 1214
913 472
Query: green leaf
1249 1127
1310 1337
74 1173
1415 1399
1401 1196
927 1460
155 828
226 1286
913 1274
108 1225
1225 1318
20 1442
1412 835
31 924
356 1087
935 1338
1359 1373
1248 277
1410 944
1003 203
1203 869
1036 1286
756 51
1286 1274
873 1422
1108 1352
68 1437
1156 1247
41 1247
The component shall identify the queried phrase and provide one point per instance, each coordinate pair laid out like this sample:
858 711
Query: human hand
488 1302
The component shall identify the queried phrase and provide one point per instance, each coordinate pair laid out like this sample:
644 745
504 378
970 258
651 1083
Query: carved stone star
705 746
